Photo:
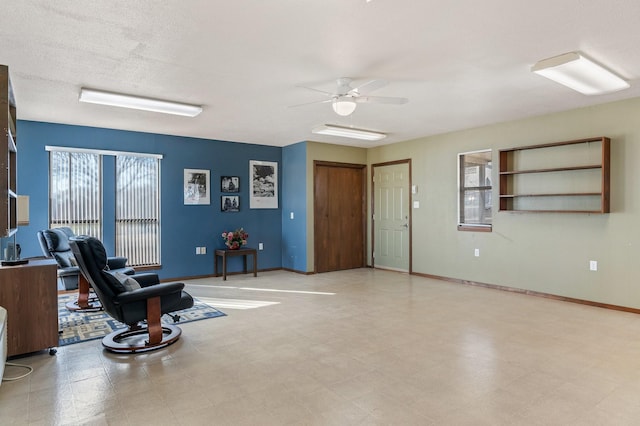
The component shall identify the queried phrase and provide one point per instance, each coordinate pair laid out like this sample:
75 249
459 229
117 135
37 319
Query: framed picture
230 184
263 177
196 187
230 203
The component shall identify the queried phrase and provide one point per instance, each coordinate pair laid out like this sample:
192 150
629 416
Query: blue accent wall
183 228
294 185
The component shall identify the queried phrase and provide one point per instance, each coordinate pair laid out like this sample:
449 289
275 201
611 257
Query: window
474 182
138 209
74 193
76 201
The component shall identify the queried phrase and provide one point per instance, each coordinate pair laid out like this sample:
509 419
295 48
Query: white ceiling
461 63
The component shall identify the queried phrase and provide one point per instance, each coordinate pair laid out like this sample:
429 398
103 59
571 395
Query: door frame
409 207
363 169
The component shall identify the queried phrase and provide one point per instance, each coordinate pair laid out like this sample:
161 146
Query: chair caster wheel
52 351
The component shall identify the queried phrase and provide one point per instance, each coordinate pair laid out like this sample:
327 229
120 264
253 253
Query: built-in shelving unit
8 156
559 177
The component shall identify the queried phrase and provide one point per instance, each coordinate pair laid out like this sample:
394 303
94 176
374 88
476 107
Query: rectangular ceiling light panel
580 74
348 132
136 102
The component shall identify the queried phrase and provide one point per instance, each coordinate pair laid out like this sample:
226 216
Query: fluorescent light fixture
136 102
580 74
348 132
344 106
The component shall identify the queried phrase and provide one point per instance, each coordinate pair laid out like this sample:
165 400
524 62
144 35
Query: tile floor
369 347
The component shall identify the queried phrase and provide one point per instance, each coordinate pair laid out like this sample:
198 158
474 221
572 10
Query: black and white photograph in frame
197 189
230 203
230 184
263 178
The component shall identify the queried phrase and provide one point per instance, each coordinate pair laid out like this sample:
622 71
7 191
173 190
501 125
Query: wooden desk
29 294
225 253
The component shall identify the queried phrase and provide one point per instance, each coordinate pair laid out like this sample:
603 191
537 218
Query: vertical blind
76 199
75 196
138 209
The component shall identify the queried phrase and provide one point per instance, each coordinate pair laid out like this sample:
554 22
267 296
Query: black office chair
55 244
138 301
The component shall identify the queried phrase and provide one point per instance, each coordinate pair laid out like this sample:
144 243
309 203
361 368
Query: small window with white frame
474 191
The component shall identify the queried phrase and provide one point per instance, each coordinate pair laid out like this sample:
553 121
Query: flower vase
236 239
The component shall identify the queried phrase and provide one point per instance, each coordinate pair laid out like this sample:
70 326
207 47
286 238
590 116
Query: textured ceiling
462 63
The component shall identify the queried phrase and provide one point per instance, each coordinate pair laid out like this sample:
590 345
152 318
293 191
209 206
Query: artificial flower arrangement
236 239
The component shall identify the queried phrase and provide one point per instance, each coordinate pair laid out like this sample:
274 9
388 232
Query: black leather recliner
55 244
138 301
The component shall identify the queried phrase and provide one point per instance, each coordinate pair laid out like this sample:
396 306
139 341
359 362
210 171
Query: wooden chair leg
84 303
83 292
154 324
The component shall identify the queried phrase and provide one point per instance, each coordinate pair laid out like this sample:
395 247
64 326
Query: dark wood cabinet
29 294
559 177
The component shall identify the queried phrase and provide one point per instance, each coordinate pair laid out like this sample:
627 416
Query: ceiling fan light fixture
579 73
344 106
348 132
136 102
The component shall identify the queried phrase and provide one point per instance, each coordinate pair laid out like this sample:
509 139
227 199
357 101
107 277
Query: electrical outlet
291 215
203 250
476 252
260 246
593 265
197 250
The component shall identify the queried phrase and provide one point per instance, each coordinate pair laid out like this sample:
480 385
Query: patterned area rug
82 326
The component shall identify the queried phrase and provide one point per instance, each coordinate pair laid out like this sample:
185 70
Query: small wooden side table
225 253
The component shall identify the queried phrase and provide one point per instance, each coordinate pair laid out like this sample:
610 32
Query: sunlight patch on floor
288 291
275 290
235 303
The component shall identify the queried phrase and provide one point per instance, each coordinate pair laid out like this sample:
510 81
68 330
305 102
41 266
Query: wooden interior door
339 216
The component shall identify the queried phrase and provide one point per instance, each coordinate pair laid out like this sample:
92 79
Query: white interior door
391 220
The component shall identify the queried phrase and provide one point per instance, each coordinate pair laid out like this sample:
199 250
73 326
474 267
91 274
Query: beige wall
545 252
317 151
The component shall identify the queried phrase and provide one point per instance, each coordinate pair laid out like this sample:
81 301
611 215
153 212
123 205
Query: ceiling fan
345 99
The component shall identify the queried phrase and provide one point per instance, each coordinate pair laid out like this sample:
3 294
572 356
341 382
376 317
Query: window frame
101 154
462 225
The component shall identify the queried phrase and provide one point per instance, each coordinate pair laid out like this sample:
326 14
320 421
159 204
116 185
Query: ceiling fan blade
381 100
311 103
317 90
369 86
